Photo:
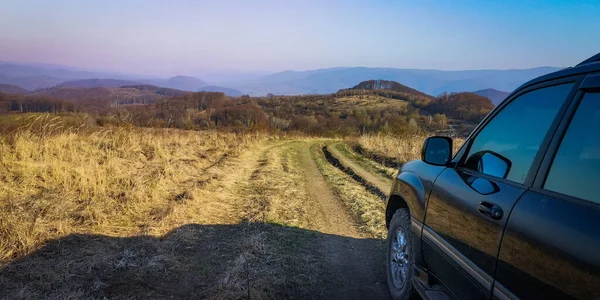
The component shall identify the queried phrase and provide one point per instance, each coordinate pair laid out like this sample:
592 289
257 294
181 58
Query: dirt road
278 223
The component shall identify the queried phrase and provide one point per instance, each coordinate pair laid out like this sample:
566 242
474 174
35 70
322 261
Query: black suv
515 213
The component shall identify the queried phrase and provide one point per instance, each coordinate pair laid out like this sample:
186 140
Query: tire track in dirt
219 198
371 179
334 161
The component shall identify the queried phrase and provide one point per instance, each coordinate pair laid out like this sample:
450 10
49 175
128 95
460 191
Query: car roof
589 65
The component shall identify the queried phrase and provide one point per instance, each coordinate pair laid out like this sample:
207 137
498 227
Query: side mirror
494 164
437 150
489 163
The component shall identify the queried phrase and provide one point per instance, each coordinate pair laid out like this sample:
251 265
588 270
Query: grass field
125 212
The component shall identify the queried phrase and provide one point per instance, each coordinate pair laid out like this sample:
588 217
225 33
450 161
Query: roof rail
593 59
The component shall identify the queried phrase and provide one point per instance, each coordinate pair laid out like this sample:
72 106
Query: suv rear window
516 132
576 167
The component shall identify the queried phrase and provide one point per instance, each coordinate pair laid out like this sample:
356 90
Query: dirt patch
244 261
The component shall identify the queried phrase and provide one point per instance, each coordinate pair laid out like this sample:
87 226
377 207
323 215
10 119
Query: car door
551 246
470 202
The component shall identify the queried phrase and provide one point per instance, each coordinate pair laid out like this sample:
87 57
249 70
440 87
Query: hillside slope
495 95
31 83
157 90
96 82
12 89
103 96
387 85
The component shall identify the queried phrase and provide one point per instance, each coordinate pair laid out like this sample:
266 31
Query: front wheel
400 258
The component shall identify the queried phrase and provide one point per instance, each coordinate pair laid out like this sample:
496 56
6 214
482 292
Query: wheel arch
408 192
395 202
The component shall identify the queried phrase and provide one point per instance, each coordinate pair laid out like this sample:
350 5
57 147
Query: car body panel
551 242
550 249
452 213
413 184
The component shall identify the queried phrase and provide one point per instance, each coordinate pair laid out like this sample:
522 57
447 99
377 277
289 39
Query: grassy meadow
117 181
90 211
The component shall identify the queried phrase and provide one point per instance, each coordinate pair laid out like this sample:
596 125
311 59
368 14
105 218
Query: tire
400 290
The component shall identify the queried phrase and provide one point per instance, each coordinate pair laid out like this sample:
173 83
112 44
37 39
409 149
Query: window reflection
576 166
517 131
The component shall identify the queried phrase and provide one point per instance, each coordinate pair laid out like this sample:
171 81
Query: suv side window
514 135
576 167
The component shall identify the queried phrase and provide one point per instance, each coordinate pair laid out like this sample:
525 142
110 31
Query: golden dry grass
404 148
370 102
116 181
122 212
372 166
400 149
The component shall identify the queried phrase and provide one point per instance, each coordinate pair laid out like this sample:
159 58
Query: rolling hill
33 82
225 90
12 89
495 95
387 85
95 82
157 90
116 95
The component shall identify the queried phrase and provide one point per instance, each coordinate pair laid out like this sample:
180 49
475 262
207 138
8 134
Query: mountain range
432 82
319 81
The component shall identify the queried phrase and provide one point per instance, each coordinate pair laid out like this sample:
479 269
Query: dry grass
276 191
370 102
397 149
117 182
123 212
372 166
402 149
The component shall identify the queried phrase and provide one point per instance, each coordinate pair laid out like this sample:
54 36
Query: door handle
490 210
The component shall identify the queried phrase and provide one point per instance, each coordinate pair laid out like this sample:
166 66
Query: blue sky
178 37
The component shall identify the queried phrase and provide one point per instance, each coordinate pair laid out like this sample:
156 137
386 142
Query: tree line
323 115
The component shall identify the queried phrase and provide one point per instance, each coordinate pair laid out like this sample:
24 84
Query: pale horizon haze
164 38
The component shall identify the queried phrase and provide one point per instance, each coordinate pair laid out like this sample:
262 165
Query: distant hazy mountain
184 83
31 82
227 91
40 76
432 82
321 81
495 95
95 82
21 70
12 89
225 77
